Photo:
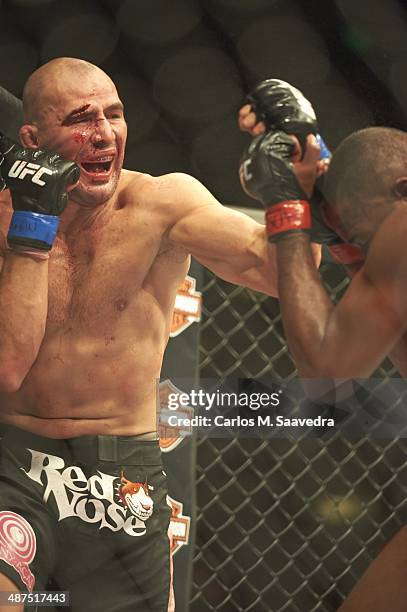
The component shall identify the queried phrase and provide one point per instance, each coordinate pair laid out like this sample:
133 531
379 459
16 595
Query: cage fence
285 525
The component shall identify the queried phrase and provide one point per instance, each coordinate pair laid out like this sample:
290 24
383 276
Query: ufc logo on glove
20 169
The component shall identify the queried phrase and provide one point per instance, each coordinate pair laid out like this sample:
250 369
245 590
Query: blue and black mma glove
37 181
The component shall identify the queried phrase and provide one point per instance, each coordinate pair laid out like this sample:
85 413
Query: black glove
37 180
283 107
266 174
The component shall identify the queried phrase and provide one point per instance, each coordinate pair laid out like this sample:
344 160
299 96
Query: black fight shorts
86 515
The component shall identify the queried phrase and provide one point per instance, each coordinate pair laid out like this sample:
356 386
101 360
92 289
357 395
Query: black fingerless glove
37 180
266 174
283 107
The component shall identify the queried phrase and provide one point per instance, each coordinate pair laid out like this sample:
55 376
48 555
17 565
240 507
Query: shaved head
45 84
72 107
365 179
365 165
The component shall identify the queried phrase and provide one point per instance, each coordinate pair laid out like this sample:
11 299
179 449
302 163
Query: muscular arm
351 339
23 312
227 242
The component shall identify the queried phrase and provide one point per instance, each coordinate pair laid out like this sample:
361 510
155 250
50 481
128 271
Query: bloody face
83 121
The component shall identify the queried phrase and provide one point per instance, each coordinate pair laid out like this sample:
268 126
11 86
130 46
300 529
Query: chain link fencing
285 524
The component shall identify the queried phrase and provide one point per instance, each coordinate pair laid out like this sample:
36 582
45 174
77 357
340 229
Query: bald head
44 85
366 165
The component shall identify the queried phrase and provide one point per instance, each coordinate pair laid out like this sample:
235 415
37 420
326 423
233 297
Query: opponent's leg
384 585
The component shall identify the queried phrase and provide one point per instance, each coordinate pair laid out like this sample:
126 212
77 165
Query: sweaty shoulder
172 195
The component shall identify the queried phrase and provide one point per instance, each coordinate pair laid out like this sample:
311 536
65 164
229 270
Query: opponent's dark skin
351 339
366 187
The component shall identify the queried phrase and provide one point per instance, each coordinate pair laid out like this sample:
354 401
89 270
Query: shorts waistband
131 450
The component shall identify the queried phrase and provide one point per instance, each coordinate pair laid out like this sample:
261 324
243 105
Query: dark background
183 67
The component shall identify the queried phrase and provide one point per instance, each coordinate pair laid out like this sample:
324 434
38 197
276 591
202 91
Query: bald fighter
365 207
87 289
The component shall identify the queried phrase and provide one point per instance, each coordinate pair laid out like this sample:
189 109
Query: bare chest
98 273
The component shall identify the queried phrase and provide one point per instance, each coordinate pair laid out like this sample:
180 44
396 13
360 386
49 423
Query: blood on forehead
77 112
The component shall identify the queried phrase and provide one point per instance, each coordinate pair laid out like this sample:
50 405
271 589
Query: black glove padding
283 107
37 179
266 174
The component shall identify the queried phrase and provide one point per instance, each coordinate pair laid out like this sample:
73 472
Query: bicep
214 231
232 245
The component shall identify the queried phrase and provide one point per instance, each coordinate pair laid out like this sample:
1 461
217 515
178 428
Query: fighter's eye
80 118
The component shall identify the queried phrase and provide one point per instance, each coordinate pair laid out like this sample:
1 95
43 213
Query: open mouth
100 166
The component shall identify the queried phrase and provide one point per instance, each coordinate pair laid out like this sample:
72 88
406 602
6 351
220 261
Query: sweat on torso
112 286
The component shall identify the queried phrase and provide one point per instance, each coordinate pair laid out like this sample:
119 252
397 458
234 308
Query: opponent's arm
348 340
351 339
37 181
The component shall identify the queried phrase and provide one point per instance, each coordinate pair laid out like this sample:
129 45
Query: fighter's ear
29 136
400 187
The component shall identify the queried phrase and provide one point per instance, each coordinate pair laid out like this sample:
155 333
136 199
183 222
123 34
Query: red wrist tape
289 216
346 254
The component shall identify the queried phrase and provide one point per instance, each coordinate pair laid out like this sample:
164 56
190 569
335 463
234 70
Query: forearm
305 304
23 313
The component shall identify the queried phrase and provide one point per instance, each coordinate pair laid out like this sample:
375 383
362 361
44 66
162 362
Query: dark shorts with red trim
85 515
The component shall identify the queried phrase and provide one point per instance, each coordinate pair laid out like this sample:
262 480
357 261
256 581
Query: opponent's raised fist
38 181
283 107
267 174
